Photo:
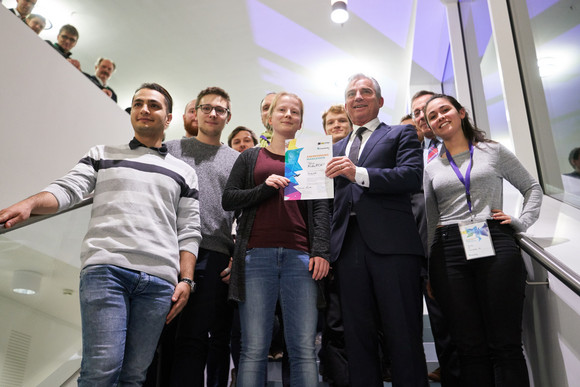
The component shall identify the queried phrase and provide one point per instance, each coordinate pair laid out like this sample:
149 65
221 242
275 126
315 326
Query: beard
191 129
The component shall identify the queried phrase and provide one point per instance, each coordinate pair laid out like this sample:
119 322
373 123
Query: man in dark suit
375 242
104 68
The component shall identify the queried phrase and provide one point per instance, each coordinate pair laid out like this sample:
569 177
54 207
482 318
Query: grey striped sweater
145 208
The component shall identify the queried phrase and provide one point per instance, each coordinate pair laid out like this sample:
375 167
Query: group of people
66 40
159 250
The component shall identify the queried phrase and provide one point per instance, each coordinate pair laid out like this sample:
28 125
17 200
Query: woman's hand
499 215
319 267
277 181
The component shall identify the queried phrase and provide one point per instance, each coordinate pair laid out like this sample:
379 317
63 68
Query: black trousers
204 327
381 290
483 301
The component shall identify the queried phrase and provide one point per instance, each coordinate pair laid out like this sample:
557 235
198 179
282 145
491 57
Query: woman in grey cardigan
476 269
282 249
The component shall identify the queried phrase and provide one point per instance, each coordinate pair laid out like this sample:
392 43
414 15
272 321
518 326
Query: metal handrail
567 276
37 218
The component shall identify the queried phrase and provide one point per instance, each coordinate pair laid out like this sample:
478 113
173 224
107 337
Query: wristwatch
190 282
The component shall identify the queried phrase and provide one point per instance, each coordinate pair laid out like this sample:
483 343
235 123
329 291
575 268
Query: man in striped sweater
139 253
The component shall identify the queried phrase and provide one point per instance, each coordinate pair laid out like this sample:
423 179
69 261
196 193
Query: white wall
50 114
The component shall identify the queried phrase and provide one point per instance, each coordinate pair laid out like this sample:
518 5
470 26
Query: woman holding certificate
475 266
282 249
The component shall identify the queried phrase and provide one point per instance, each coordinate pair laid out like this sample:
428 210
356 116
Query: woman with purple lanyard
475 268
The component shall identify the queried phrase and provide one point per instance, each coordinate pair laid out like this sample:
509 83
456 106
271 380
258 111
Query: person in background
104 68
242 138
23 8
36 22
375 246
265 103
282 249
68 37
448 371
481 295
332 354
336 123
138 256
190 119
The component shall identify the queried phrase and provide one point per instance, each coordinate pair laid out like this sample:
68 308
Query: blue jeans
273 273
123 312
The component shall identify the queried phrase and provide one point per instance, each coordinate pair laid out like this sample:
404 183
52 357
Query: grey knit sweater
213 164
492 162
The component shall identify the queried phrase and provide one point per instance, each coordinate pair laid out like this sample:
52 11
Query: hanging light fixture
26 282
339 13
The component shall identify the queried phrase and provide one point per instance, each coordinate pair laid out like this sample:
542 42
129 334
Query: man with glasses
203 331
67 38
448 371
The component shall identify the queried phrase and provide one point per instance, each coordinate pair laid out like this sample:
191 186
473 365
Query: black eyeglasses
220 111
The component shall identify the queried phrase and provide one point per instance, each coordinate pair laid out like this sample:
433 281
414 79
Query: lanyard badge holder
475 236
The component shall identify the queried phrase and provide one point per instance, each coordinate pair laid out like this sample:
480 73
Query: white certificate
476 239
306 159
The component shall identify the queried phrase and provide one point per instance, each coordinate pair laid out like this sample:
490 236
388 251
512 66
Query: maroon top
279 222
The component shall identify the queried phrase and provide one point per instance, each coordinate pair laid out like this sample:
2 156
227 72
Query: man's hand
75 63
342 165
41 203
319 267
16 213
179 298
108 92
226 273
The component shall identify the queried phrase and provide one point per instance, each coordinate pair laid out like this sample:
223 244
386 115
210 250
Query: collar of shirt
19 14
371 126
134 144
427 141
100 82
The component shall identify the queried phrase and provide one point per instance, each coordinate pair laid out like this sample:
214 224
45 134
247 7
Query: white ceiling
251 47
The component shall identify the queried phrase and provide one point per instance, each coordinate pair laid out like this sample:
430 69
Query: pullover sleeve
514 172
78 183
188 219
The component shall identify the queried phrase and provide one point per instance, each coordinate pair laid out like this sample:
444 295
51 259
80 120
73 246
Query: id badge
476 239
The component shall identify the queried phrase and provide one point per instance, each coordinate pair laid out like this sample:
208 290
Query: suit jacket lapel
341 145
375 137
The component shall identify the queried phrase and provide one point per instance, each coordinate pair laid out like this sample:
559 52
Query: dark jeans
483 302
203 331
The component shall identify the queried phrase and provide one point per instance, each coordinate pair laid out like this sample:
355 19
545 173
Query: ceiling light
26 282
339 13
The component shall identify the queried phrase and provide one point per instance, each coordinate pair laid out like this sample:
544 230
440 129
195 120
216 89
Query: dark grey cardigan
242 195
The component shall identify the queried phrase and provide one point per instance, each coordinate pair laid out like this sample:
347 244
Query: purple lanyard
467 180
